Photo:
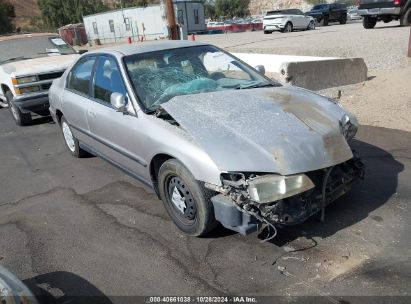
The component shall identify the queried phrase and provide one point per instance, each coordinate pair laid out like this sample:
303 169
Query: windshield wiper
253 86
15 58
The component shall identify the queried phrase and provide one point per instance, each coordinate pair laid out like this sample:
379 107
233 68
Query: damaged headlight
347 127
271 188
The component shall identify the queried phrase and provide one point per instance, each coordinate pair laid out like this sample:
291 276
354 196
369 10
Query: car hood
282 130
39 65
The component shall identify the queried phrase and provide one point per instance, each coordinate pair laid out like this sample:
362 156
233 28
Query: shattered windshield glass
33 47
159 76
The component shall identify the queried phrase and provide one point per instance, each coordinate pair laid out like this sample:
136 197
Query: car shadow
39 120
64 287
380 183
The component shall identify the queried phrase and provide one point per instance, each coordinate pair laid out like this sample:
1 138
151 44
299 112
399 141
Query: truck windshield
27 47
161 75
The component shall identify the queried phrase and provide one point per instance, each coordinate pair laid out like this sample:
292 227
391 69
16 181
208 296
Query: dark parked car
329 12
384 10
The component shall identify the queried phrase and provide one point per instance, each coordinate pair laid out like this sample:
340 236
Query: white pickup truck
28 65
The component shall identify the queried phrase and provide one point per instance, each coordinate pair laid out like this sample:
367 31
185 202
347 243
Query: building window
127 23
111 23
196 19
95 28
180 17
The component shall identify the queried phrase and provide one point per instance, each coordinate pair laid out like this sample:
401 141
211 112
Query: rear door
116 136
76 97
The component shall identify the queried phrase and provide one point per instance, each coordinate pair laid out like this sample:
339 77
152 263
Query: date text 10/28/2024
199 299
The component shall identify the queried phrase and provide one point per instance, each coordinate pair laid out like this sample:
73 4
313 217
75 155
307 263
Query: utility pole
171 20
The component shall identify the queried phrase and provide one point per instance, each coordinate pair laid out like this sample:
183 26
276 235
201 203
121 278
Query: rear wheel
185 199
311 25
71 142
343 19
267 32
288 28
405 19
369 22
21 119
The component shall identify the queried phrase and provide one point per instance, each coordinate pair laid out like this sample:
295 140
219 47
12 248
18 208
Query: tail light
397 2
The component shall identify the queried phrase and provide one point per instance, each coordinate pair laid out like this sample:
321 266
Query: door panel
115 135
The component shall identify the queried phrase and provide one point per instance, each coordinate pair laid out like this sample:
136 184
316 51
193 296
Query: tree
209 10
232 8
7 14
57 13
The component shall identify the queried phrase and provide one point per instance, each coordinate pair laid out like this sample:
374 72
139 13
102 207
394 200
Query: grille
46 86
50 76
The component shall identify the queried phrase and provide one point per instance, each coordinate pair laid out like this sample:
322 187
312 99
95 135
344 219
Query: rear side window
80 75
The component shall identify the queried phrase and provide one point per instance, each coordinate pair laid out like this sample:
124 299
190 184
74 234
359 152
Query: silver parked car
216 139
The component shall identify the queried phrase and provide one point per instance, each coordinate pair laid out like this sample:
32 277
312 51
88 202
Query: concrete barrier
314 73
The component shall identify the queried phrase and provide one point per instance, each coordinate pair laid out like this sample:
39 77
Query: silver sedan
216 139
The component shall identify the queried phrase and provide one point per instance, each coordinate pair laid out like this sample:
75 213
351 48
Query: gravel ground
382 48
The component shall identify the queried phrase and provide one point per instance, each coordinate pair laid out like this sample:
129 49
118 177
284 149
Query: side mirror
260 68
82 51
118 101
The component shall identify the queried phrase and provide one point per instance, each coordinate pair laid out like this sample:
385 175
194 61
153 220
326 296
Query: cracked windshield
159 76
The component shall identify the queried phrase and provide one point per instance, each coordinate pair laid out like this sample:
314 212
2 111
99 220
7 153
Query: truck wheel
405 19
343 20
71 142
288 28
187 202
21 119
325 20
369 22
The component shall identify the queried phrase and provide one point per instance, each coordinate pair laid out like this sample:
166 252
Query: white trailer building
149 22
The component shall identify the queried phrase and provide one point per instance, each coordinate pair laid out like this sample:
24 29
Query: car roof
146 47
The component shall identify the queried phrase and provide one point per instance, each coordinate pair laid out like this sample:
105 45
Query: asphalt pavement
80 227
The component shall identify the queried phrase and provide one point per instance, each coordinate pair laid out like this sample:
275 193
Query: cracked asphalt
79 227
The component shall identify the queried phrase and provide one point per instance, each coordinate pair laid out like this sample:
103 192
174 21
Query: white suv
28 66
286 21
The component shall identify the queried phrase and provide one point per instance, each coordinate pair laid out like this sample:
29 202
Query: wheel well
59 115
155 165
5 88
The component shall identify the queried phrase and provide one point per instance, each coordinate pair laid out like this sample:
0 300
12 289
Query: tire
288 28
311 25
21 119
71 142
369 22
405 19
267 32
343 19
187 202
326 20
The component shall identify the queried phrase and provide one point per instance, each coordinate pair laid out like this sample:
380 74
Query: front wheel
311 25
187 202
288 28
21 119
405 19
325 20
369 22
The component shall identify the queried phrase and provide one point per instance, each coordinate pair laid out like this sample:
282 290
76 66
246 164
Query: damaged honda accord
216 139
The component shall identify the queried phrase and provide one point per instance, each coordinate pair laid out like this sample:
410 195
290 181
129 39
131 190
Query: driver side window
107 79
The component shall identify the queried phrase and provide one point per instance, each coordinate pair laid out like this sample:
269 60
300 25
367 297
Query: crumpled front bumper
330 184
